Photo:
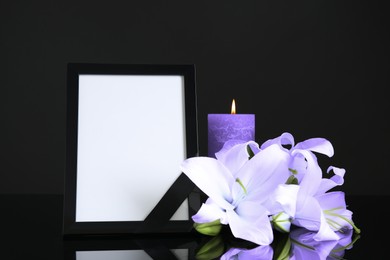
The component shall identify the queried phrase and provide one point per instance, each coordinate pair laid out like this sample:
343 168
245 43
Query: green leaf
211 228
250 152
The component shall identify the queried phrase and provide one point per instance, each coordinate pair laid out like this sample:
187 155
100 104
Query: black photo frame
179 248
128 128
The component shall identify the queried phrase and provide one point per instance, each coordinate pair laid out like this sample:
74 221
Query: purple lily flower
298 161
281 204
316 210
237 191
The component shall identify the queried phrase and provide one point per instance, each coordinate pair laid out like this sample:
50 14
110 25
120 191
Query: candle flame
233 111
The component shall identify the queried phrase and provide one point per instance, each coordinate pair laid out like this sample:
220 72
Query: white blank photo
131 142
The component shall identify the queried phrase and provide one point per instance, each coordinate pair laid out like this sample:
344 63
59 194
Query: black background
311 68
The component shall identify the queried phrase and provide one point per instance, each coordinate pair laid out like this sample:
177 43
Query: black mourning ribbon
158 219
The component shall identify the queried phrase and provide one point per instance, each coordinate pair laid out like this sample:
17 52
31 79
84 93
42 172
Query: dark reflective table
31 228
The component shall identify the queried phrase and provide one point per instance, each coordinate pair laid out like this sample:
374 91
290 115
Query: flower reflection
299 244
260 252
304 245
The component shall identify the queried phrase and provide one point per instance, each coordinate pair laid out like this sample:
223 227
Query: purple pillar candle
225 127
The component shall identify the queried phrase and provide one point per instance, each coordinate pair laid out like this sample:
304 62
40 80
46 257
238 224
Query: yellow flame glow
233 111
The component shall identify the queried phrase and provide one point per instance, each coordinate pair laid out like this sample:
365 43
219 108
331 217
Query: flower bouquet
255 190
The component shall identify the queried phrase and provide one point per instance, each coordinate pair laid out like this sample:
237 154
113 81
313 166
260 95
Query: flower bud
281 222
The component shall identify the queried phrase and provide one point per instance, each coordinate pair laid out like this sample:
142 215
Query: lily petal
335 211
209 212
212 177
332 200
283 139
251 210
258 232
325 233
319 145
264 172
298 164
336 180
312 178
308 214
283 199
234 154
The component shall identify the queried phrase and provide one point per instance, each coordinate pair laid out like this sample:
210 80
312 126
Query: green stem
357 230
242 185
334 224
